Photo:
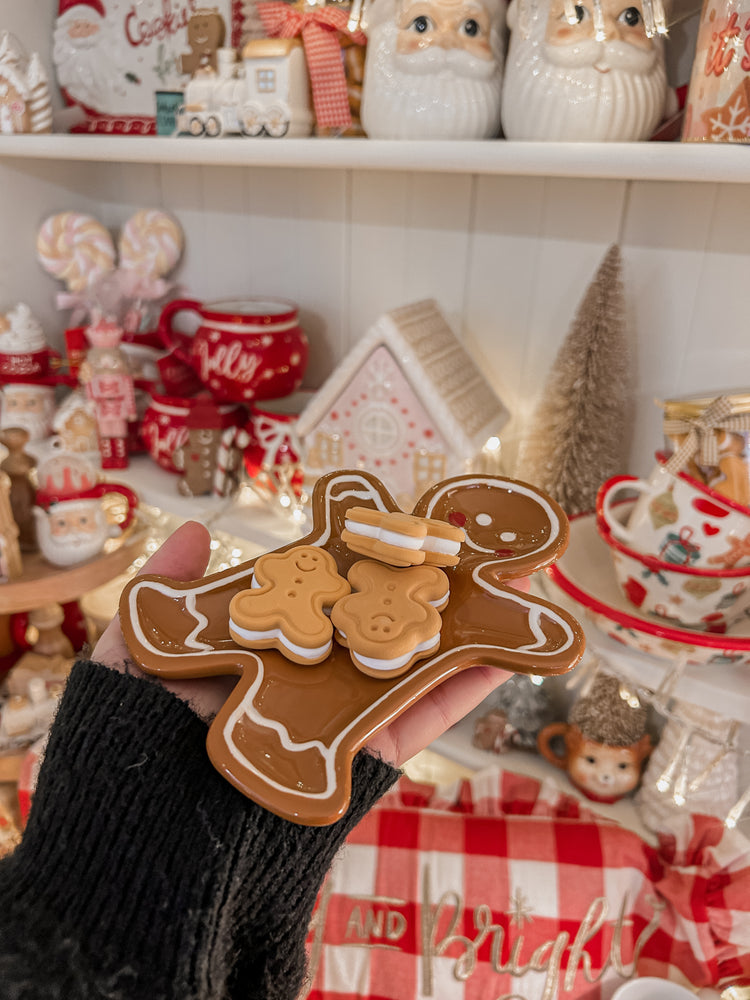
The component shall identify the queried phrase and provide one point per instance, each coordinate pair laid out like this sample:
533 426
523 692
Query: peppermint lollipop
150 243
75 248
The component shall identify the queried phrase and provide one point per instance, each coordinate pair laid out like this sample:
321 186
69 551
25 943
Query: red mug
274 442
164 427
26 364
243 349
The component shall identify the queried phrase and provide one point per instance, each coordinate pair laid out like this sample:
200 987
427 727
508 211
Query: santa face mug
433 69
584 71
74 530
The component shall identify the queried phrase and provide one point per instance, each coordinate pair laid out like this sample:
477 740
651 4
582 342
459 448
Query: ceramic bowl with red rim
677 519
585 574
709 599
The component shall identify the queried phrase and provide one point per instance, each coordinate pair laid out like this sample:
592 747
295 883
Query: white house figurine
408 403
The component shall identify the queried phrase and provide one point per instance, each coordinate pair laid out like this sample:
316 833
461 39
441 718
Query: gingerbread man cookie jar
331 641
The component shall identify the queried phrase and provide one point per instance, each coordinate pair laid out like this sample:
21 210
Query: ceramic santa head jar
433 69
585 71
30 405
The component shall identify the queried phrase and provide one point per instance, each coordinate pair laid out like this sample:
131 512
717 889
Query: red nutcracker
109 385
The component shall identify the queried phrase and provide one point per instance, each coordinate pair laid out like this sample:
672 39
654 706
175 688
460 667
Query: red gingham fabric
505 887
320 28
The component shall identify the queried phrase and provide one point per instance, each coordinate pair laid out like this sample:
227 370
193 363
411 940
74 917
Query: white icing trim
516 488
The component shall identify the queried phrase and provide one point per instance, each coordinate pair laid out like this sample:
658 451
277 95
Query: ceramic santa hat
66 5
64 476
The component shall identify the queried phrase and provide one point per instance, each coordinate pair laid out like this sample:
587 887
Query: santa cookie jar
433 69
585 71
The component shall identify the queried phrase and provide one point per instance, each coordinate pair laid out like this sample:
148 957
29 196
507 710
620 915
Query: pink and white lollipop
150 243
75 248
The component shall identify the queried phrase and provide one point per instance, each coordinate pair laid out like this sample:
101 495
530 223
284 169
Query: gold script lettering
440 929
658 906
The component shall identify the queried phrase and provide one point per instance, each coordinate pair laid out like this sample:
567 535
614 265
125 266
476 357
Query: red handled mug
73 529
243 349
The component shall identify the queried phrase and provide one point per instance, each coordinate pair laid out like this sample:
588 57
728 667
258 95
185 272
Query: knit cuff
165 878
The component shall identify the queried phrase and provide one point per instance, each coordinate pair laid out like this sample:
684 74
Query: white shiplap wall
508 257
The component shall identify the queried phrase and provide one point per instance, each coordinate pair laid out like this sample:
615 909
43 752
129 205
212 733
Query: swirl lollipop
150 243
75 248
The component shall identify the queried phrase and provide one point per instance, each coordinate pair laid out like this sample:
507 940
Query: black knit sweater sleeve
143 875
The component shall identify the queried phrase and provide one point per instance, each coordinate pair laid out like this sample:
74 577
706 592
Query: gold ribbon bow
701 439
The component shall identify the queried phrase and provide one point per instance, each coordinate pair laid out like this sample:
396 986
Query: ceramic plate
586 574
112 56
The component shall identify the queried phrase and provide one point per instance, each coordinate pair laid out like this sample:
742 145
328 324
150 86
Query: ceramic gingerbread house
408 403
25 103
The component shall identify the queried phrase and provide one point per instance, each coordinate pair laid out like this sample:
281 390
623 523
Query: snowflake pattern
379 376
732 122
519 909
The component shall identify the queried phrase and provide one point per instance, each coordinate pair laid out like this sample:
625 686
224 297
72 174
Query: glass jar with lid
707 436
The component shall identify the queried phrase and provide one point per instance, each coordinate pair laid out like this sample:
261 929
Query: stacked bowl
681 551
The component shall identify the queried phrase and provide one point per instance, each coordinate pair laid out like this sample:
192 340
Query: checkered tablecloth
504 887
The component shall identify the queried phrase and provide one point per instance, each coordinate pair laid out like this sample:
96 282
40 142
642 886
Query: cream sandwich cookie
392 618
285 608
401 539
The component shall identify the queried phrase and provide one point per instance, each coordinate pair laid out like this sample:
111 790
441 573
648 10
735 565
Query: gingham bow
319 27
701 440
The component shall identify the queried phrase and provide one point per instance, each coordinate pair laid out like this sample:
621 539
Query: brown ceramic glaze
287 734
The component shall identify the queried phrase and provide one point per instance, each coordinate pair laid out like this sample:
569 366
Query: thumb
182 556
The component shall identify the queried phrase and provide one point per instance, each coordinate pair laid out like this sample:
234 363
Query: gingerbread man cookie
288 733
393 617
286 607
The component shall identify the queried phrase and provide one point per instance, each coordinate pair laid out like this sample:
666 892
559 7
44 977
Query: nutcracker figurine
108 382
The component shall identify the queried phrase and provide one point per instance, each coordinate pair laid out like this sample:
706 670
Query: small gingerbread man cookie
285 609
393 617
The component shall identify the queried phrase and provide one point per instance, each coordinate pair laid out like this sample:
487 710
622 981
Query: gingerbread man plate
288 733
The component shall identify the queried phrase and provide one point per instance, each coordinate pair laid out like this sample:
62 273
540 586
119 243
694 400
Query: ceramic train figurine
265 93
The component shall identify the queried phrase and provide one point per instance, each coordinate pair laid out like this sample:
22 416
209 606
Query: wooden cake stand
41 584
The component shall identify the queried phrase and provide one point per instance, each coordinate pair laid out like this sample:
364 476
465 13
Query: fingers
182 556
437 711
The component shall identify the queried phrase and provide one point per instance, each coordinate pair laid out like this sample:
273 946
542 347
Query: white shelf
660 161
249 519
